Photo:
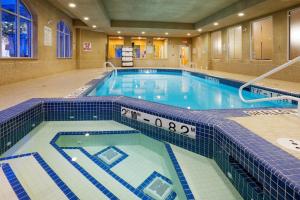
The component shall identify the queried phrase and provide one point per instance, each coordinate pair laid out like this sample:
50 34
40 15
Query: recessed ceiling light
120 37
199 30
118 32
166 33
188 34
216 24
94 26
143 32
241 14
86 18
139 38
72 5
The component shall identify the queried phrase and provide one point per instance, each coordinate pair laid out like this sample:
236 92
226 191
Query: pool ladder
283 97
112 66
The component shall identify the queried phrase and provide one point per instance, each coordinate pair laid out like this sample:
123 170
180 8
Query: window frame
251 39
228 44
58 43
18 16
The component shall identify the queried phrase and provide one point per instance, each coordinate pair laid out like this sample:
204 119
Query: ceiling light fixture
86 18
166 33
94 26
143 32
188 34
216 24
241 14
199 30
72 5
119 32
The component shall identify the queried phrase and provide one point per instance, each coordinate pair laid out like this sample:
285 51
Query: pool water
76 160
179 89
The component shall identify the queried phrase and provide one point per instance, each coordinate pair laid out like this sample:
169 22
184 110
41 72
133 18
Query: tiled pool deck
277 171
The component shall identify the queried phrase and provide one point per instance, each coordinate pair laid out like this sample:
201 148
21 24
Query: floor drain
109 156
158 189
289 143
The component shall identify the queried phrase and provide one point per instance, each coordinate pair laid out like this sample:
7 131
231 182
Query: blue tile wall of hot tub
254 159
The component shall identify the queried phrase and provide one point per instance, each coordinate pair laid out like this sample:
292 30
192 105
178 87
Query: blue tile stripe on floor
14 182
94 181
58 181
184 183
64 188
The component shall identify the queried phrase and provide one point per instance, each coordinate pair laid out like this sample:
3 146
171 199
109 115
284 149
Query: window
115 45
16 31
235 42
139 47
64 41
262 39
160 48
216 43
294 39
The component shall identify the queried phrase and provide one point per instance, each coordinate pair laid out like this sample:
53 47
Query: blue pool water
179 89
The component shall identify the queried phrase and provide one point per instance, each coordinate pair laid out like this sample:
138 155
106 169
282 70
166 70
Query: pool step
7 191
30 177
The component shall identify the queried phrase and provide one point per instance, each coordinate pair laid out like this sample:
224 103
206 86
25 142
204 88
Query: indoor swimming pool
182 89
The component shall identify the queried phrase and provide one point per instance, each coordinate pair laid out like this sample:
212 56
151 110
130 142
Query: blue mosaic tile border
63 187
124 155
155 174
96 183
184 183
14 182
107 168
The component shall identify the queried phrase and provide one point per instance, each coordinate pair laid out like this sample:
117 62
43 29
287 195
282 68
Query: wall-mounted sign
47 36
87 46
160 122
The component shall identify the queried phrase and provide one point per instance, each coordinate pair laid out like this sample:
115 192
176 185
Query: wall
150 61
45 61
246 65
96 56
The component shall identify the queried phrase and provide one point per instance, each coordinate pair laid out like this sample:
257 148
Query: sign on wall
87 46
47 36
160 122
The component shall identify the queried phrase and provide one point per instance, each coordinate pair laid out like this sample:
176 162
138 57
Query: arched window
16 29
64 44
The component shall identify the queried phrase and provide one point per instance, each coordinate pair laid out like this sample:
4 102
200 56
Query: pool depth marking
160 122
137 191
57 180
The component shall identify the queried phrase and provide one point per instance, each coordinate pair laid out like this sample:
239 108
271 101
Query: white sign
87 46
160 122
47 36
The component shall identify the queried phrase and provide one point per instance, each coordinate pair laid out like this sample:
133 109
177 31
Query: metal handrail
283 97
112 65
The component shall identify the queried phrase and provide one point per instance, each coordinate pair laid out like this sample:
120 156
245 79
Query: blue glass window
64 41
10 5
16 32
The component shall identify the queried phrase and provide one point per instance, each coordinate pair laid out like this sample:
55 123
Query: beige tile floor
274 127
62 84
56 85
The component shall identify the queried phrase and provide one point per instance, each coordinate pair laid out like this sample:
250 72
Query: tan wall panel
96 57
250 66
